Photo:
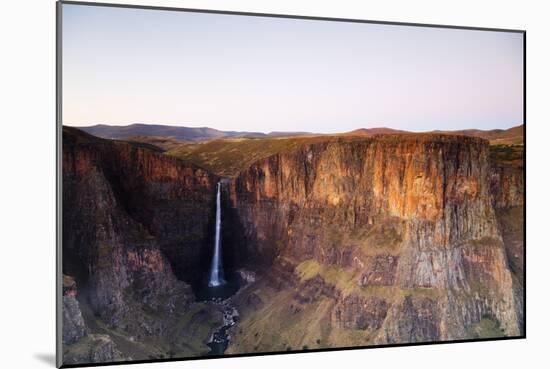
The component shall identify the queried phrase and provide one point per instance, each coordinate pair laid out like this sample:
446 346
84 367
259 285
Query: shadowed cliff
132 220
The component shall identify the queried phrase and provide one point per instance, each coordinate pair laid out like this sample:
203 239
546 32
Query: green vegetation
394 294
508 155
281 322
157 143
334 275
388 293
84 348
186 335
228 157
486 328
382 238
347 282
423 292
308 269
194 327
477 286
284 324
145 145
487 242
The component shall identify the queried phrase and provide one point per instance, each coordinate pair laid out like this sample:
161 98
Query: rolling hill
175 132
511 136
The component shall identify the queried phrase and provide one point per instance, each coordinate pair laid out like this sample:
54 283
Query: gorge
323 241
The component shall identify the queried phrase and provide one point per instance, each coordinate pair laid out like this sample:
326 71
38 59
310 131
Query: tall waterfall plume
216 269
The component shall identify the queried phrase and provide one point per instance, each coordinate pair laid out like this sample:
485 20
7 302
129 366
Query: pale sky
231 72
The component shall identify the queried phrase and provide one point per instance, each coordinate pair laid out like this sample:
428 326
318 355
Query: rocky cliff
403 228
79 345
132 220
507 189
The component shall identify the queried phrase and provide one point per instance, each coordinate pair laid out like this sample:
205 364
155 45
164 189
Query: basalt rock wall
133 220
410 218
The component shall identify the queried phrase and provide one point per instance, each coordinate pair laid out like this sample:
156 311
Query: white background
27 183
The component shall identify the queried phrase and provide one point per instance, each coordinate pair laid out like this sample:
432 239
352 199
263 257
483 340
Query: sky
232 72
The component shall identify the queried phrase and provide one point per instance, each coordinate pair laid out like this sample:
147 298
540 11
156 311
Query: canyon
334 241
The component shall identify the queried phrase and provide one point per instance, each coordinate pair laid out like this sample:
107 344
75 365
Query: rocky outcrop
73 324
381 271
80 346
416 319
361 313
314 288
507 185
94 348
508 193
414 214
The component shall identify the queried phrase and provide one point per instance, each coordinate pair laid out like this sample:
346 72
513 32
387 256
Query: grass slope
227 157
508 155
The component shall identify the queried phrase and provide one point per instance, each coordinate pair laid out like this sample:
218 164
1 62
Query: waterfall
216 269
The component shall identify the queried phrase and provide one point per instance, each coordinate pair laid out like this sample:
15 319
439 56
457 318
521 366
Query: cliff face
404 227
80 345
170 200
507 189
507 185
129 216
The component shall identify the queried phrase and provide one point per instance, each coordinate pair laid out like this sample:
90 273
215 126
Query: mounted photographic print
245 184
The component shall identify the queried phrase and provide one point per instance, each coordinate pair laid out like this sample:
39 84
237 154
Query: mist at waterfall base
218 284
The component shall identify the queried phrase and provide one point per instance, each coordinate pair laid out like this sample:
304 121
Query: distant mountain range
178 133
141 133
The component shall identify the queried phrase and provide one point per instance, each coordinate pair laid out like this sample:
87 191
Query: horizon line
294 131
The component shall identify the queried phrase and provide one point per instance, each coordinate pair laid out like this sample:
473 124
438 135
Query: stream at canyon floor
220 339
222 298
